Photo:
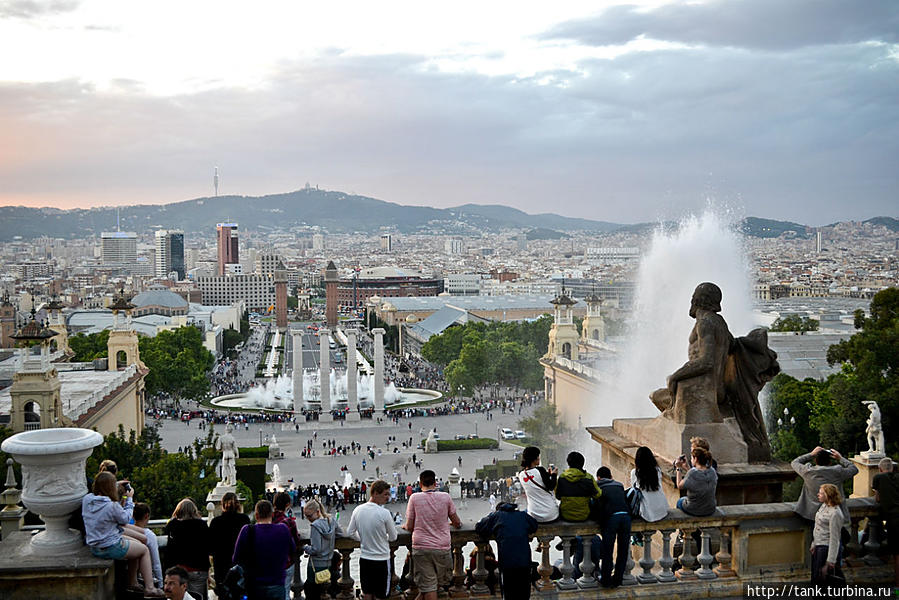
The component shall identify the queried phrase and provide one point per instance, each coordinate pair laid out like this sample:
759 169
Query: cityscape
410 301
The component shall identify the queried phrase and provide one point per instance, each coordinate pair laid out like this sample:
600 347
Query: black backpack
236 583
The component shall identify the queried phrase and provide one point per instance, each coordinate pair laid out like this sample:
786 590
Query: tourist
188 545
107 534
223 531
646 476
537 485
615 526
175 587
886 493
576 490
815 475
282 505
263 549
322 531
141 516
512 529
428 516
374 527
825 546
700 483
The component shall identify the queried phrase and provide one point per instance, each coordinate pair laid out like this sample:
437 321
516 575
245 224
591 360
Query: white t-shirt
655 505
542 505
373 526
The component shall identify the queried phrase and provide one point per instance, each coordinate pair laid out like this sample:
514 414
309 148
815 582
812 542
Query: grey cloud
792 135
758 24
29 9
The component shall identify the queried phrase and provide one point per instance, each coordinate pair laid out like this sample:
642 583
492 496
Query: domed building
159 300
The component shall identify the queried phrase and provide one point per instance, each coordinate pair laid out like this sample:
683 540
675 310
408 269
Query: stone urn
53 481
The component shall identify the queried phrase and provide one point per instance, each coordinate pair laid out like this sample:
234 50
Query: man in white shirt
373 526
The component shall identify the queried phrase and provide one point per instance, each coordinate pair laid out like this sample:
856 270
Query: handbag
634 497
323 576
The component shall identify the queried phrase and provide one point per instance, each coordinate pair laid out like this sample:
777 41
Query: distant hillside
768 228
541 233
888 222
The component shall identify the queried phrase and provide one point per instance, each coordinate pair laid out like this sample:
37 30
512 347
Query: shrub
475 444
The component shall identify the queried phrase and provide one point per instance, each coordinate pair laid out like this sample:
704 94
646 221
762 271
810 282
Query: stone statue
431 442
874 430
230 454
722 376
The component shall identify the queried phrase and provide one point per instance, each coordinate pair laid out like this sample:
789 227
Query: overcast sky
618 112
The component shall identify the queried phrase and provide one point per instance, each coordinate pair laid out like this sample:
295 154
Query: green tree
795 323
178 363
546 430
165 482
790 439
230 339
89 347
129 451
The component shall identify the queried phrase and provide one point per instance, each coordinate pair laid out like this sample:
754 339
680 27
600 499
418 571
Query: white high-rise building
169 253
119 248
318 241
386 242
454 245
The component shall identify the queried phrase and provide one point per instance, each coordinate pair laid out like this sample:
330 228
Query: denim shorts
116 551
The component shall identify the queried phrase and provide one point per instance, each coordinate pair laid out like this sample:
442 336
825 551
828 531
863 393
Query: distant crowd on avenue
259 558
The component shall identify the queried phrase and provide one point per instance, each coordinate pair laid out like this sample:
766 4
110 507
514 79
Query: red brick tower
281 299
331 294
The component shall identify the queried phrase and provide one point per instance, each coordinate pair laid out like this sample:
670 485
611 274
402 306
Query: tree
169 480
546 430
790 439
129 451
794 323
89 347
178 363
230 339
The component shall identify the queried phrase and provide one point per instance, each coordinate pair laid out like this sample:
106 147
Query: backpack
634 497
236 581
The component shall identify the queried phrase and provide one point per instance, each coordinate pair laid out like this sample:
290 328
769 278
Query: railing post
853 547
395 592
872 546
567 582
666 561
586 579
705 557
545 569
458 590
723 556
345 583
627 578
412 591
686 558
479 587
647 562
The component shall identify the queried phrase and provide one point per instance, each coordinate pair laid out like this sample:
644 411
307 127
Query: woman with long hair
700 483
223 531
322 531
108 534
188 545
646 476
538 484
825 546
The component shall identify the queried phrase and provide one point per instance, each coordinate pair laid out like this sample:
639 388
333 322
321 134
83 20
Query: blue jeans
618 527
288 579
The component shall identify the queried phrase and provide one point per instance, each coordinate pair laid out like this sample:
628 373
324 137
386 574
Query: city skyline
608 112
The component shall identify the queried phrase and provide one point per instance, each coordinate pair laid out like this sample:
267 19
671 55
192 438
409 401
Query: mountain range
333 211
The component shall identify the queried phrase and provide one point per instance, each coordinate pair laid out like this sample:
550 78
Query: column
324 378
297 339
352 395
379 370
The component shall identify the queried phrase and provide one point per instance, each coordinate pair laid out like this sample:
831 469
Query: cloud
31 9
755 24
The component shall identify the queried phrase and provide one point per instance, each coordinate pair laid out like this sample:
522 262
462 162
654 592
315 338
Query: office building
228 251
118 248
386 242
170 253
257 291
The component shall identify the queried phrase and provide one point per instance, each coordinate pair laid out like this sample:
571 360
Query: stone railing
567 363
78 409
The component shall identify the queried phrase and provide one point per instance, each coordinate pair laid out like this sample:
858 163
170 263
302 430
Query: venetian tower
34 394
593 327
563 337
58 325
7 322
123 344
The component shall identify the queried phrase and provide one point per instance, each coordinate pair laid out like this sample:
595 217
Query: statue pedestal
326 418
215 496
868 464
739 482
353 416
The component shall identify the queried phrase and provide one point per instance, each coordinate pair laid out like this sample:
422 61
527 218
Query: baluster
412 591
627 578
345 583
395 592
458 590
705 557
647 562
586 579
686 558
872 546
666 561
545 569
479 587
853 547
567 582
723 557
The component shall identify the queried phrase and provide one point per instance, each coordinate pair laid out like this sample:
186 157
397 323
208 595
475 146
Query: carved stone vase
53 481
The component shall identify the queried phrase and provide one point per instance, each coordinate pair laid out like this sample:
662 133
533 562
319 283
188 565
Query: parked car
507 433
519 434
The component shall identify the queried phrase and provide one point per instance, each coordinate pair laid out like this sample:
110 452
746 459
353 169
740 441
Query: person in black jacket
615 523
511 528
223 532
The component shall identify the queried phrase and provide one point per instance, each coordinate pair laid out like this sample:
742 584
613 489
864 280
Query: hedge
254 452
502 468
475 444
251 471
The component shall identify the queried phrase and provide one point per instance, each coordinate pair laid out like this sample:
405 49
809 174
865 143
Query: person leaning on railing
223 531
188 545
